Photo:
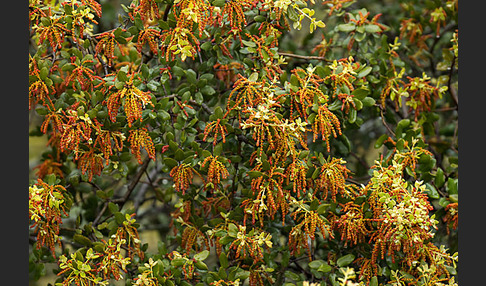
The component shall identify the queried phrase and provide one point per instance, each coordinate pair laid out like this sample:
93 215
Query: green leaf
179 155
293 15
254 174
348 27
380 140
345 260
208 90
360 93
222 273
152 86
322 208
404 123
68 67
439 178
253 77
400 144
121 40
358 103
314 205
374 281
451 269
364 72
368 101
218 112
324 268
249 43
432 191
320 24
201 265
139 23
335 105
454 198
226 239
259 18
122 76
316 263
45 21
133 30
292 275
201 255
232 230
352 115
114 208
169 162
206 46
50 179
360 36
372 28
43 73
81 239
177 262
242 275
223 260
218 3
164 115
218 149
42 111
191 76
452 186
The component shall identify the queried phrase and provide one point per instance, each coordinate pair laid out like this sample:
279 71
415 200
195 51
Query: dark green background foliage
373 129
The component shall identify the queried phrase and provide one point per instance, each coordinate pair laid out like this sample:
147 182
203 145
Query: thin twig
445 109
304 57
100 214
100 59
140 196
383 120
203 105
133 184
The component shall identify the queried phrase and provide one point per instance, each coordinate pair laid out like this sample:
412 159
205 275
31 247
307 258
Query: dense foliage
268 142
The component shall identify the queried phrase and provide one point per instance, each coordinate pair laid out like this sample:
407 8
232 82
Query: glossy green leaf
223 260
364 72
169 162
346 27
201 255
345 260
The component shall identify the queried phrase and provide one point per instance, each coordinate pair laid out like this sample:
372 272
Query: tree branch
304 57
203 105
133 184
166 12
100 214
383 120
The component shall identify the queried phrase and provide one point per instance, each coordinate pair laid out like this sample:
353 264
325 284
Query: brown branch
100 59
383 120
97 219
203 105
445 109
304 57
139 199
133 184
166 12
